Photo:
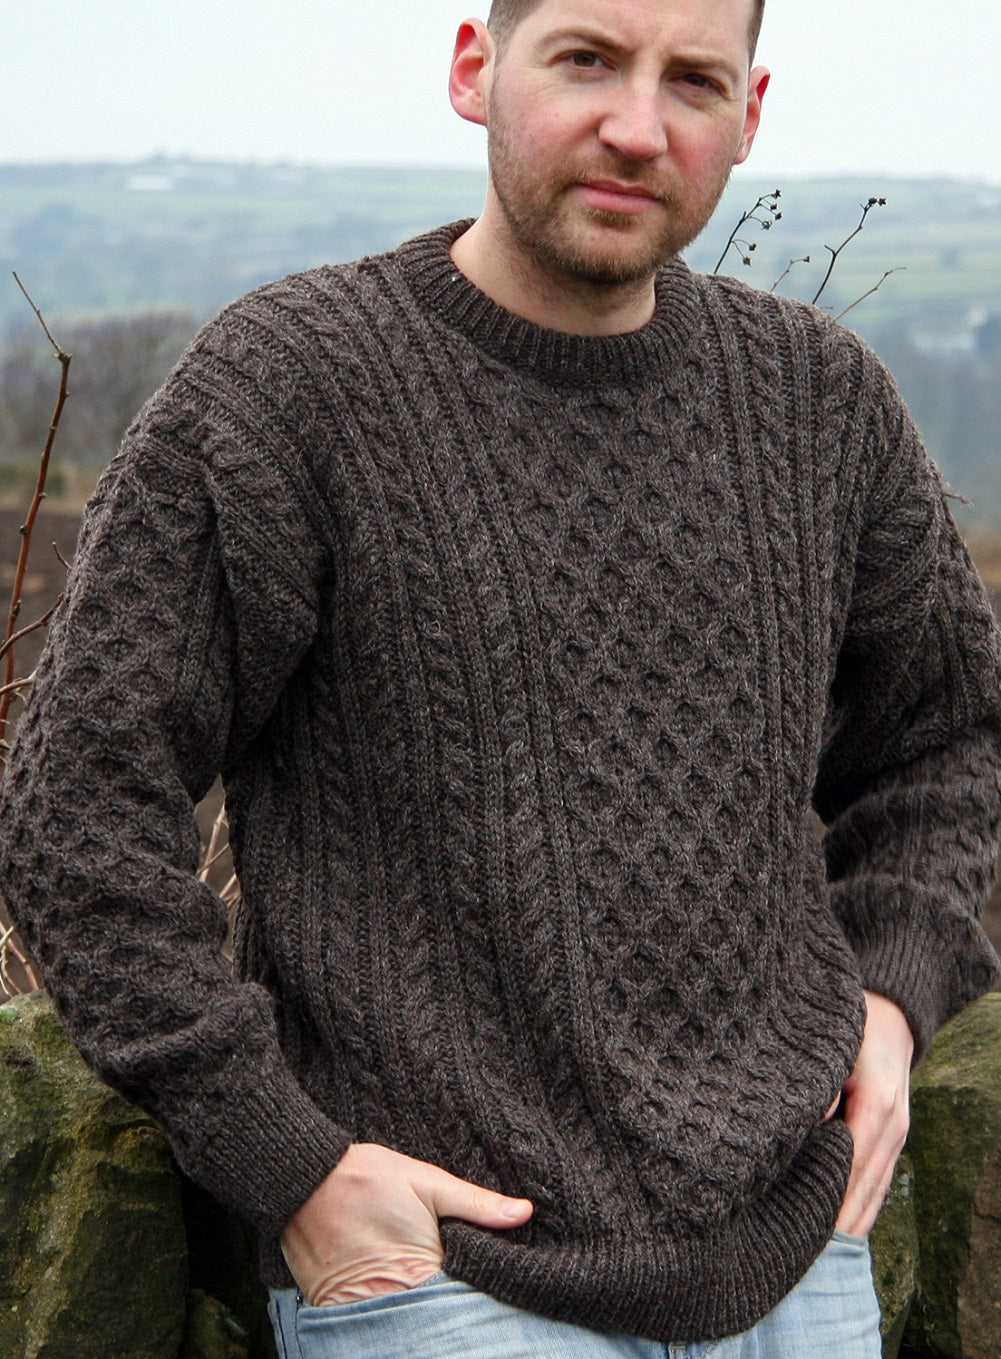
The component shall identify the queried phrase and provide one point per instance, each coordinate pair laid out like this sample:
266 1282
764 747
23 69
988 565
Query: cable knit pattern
525 657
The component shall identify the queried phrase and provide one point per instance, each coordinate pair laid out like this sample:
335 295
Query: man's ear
469 79
757 83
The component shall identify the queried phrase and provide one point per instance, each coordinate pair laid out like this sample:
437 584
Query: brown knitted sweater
524 657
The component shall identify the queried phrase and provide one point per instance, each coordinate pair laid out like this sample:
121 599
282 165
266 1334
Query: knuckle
482 1201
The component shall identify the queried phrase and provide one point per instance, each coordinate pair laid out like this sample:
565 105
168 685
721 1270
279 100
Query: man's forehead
643 20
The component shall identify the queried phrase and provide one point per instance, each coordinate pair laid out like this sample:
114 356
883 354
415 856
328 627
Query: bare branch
11 631
834 253
874 289
215 849
8 949
61 355
804 259
12 686
11 641
768 204
15 687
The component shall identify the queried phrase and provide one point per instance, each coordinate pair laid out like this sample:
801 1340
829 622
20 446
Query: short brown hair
506 15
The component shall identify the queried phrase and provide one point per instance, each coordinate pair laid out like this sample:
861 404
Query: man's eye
585 61
699 82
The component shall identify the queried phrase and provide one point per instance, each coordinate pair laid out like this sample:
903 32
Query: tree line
120 359
118 362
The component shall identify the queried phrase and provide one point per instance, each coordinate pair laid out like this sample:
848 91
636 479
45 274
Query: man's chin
617 260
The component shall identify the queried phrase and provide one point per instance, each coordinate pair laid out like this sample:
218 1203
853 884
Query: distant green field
943 240
195 234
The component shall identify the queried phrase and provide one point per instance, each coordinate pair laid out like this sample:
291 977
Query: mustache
632 174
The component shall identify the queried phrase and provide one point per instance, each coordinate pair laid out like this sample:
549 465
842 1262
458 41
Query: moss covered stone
94 1262
894 1244
222 1266
211 1331
92 1252
955 1147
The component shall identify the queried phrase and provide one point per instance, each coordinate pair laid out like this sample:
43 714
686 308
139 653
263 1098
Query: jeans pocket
380 1300
274 1317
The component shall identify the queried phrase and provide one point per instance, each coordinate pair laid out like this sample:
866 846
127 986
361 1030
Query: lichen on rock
955 1146
93 1259
895 1257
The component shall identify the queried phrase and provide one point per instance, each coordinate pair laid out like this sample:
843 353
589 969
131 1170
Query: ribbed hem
677 1288
551 355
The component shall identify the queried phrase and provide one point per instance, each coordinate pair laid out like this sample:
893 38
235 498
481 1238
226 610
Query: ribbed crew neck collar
568 360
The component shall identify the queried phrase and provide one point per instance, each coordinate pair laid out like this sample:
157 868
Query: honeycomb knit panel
525 657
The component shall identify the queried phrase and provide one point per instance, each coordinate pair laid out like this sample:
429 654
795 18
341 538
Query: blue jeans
832 1313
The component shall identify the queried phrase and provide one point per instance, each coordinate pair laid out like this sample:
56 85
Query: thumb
448 1196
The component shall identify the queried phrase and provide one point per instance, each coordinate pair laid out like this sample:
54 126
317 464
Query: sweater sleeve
909 784
192 599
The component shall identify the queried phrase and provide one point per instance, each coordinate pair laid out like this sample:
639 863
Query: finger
878 1144
448 1196
861 1206
879 1131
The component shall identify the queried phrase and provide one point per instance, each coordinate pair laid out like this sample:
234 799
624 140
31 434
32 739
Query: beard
568 238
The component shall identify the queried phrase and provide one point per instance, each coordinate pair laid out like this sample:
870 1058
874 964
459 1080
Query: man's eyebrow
690 58
582 37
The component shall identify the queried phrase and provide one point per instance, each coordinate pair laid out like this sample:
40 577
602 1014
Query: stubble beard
550 230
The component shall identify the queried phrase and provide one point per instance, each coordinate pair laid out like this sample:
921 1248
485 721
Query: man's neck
572 305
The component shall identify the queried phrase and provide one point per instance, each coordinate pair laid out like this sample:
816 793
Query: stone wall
948 1195
106 1253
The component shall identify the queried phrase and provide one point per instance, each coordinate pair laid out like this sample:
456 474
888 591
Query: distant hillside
189 235
942 239
195 234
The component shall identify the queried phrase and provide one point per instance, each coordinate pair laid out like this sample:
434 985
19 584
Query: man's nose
635 124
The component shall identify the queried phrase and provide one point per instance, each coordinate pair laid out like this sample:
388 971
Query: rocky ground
55 532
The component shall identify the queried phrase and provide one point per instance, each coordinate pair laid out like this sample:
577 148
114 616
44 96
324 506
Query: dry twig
8 950
834 252
13 685
874 289
214 852
216 847
12 633
803 259
767 205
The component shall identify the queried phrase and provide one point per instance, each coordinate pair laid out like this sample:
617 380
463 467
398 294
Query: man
527 589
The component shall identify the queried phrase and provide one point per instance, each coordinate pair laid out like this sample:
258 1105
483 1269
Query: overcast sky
904 87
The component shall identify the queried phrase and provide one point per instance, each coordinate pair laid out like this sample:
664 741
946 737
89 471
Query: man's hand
875 1107
371 1227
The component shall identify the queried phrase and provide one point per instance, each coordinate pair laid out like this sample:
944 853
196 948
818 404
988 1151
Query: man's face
612 129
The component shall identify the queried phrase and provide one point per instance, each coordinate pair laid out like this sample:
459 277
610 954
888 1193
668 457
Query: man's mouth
615 195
